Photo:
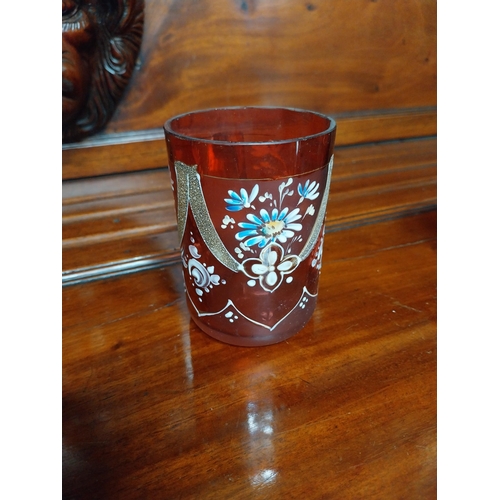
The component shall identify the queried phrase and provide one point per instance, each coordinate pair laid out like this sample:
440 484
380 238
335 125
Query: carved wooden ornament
100 43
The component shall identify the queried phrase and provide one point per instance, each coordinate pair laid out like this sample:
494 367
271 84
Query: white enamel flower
203 277
316 262
270 267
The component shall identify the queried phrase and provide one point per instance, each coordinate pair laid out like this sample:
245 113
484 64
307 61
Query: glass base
268 338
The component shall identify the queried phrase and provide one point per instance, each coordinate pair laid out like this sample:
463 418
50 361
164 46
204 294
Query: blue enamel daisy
277 226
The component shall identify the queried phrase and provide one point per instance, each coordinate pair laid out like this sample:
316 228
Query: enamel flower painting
268 225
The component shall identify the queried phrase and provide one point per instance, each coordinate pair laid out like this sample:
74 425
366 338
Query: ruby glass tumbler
251 189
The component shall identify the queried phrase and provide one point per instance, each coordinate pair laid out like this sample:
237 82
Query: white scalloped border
230 304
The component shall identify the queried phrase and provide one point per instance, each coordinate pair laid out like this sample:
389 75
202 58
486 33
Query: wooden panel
330 56
154 408
371 65
104 155
124 152
125 223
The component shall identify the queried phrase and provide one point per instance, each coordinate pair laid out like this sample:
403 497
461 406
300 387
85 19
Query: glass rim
331 127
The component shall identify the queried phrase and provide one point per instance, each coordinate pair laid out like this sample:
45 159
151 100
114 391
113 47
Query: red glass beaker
251 188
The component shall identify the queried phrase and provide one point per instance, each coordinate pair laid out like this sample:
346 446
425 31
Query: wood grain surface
324 55
154 408
107 154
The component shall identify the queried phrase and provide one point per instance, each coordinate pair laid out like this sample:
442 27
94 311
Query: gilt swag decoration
100 43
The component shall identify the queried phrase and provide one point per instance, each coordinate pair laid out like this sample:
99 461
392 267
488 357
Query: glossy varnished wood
154 408
109 153
325 55
371 65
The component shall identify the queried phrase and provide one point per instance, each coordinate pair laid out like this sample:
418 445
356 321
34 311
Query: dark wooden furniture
152 407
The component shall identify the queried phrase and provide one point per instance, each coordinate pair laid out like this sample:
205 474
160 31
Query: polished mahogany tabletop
346 409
